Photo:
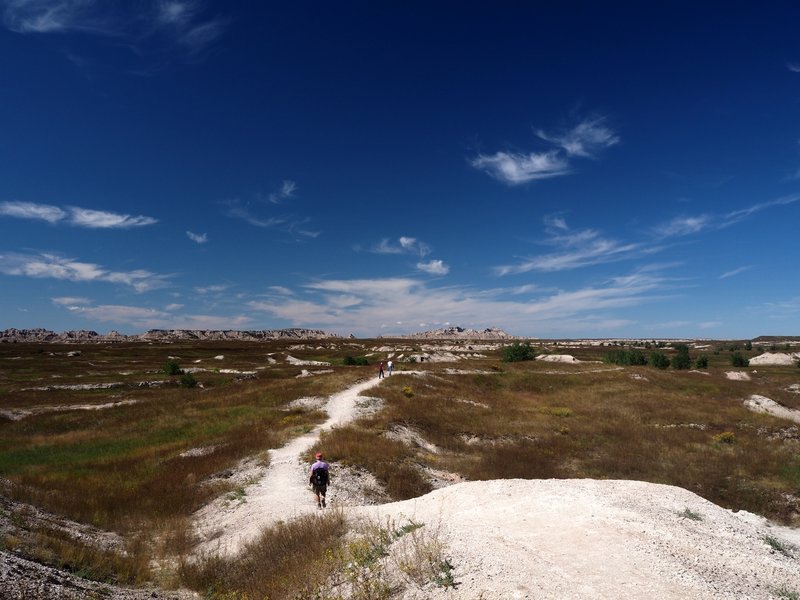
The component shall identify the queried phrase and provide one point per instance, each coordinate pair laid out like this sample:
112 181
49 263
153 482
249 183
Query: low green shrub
681 360
358 360
701 362
172 367
633 357
518 352
188 380
737 360
659 360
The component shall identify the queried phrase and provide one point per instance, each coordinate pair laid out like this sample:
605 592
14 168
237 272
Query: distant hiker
389 367
319 477
380 370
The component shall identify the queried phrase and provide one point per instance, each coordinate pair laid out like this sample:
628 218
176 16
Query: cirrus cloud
73 215
585 140
52 266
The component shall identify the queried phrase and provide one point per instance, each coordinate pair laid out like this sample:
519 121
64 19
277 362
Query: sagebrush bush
726 437
518 352
737 360
172 368
358 360
188 380
659 360
633 357
681 360
701 362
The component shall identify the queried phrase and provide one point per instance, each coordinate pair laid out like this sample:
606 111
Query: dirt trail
282 493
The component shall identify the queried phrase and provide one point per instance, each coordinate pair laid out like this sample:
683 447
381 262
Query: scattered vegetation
626 357
188 380
358 360
130 468
690 514
172 367
777 545
517 352
681 360
276 565
659 360
322 557
737 360
726 437
785 592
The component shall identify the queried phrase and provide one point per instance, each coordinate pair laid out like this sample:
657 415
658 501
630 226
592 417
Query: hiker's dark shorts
319 489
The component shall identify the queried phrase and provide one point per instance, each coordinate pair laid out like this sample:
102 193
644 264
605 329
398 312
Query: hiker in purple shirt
319 476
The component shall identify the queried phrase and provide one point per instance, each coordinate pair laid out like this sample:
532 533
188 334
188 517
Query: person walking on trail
380 371
389 367
319 477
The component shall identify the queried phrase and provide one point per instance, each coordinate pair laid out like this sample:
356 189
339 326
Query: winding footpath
282 493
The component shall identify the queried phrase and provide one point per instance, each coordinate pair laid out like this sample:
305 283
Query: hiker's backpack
319 477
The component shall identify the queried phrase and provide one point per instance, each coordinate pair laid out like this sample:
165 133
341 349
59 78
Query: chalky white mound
775 359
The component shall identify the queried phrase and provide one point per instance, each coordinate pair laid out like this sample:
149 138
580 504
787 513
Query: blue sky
570 169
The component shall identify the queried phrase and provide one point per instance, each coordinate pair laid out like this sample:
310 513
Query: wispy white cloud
680 226
434 267
366 305
280 289
70 301
687 225
576 249
403 245
236 209
141 318
100 219
30 210
783 308
515 168
293 225
52 266
212 289
288 188
585 140
198 238
736 216
56 16
73 215
735 272
143 25
793 67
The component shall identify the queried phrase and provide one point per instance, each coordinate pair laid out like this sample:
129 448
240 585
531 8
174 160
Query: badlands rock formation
490 333
163 335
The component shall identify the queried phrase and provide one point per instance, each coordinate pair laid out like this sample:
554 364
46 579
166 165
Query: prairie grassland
544 420
289 560
327 557
126 468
